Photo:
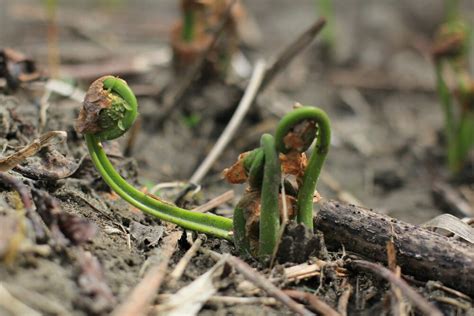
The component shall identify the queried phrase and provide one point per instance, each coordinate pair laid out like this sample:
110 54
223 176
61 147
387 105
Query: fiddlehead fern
110 108
257 215
284 144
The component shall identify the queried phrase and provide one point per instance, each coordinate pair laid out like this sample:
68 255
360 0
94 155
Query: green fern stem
316 161
205 223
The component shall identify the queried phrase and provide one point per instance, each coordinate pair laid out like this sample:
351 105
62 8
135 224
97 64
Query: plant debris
93 283
46 139
16 68
65 228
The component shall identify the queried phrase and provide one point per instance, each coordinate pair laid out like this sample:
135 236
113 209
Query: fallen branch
424 254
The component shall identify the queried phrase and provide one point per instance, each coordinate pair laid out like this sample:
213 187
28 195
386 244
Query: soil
377 86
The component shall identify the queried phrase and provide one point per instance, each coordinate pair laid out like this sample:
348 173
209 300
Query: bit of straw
235 121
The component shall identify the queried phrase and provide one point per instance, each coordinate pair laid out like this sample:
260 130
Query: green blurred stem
188 25
451 7
449 124
325 9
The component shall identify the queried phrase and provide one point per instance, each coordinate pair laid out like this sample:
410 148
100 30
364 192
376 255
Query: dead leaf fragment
301 136
52 165
146 236
46 139
453 225
294 163
65 228
190 299
236 173
97 99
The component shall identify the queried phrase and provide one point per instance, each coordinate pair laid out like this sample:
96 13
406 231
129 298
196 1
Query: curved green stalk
256 168
318 156
269 213
206 223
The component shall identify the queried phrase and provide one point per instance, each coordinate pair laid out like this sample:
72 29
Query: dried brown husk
301 136
251 204
97 98
294 163
236 173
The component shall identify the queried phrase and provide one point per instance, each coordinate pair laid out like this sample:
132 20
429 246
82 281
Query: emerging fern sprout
257 216
109 110
194 33
189 38
319 128
450 54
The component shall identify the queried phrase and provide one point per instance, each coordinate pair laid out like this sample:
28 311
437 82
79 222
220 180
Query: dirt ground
386 154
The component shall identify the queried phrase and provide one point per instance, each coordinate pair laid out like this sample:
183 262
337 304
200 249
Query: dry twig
257 279
423 305
45 304
229 131
144 292
215 202
344 299
233 300
46 139
315 302
292 50
183 263
452 200
14 306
